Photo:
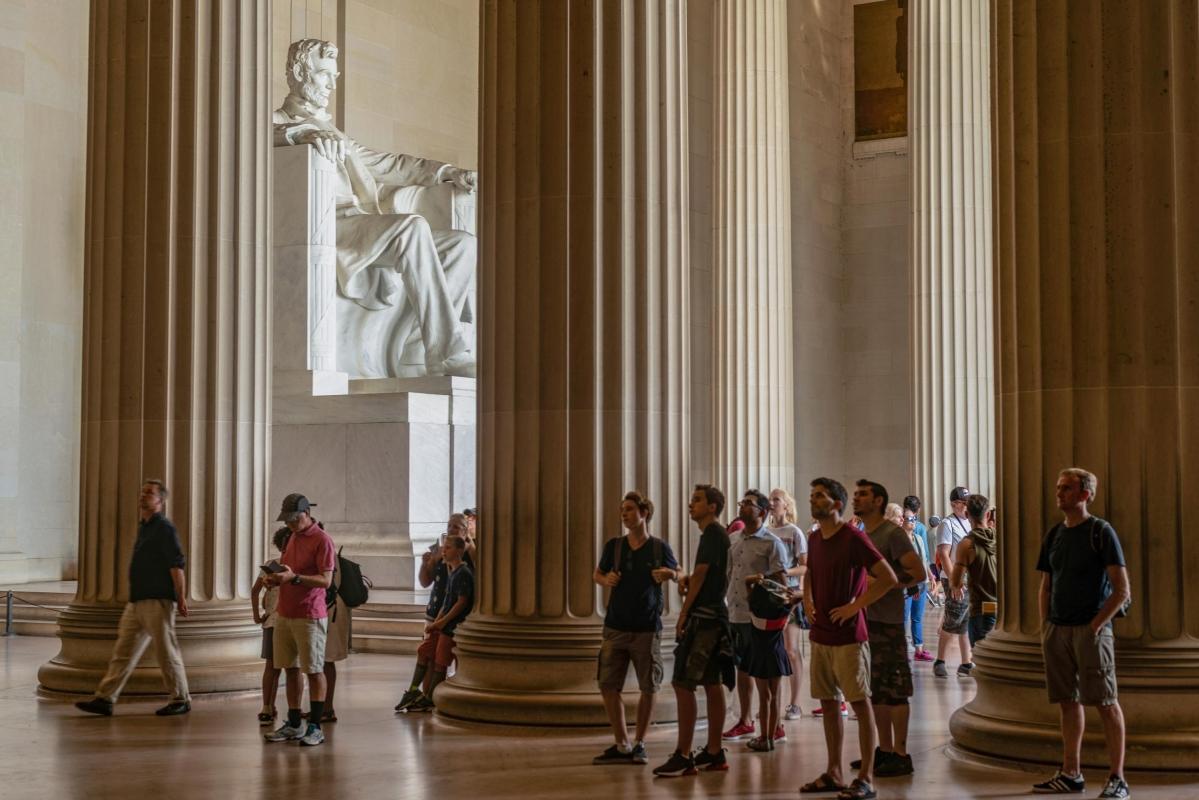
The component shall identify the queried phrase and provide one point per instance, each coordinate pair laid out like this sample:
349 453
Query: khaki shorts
300 643
643 649
845 667
1080 667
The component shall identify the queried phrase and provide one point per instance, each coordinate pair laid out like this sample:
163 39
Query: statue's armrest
444 205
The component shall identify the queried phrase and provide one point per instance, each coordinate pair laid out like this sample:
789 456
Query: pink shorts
438 648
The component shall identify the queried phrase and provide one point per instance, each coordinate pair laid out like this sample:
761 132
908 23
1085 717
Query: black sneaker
964 670
639 754
1115 789
894 765
95 706
939 669
1061 783
880 757
710 762
408 699
174 709
614 755
676 766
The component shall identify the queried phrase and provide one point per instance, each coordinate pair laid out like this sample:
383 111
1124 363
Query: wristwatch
295 581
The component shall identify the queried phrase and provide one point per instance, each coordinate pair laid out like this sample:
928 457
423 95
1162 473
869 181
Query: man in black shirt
704 654
156 588
1084 584
634 568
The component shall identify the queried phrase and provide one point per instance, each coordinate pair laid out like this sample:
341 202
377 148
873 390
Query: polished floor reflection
49 750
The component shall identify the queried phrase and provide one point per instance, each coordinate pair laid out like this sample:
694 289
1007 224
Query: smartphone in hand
273 568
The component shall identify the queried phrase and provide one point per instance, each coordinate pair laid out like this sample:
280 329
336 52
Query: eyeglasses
910 519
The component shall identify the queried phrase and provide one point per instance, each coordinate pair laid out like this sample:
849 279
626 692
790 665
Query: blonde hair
1086 480
894 513
789 514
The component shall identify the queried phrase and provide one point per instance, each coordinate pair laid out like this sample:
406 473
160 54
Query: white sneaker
792 712
313 737
284 734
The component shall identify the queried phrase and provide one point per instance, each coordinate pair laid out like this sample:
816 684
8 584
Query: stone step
384 627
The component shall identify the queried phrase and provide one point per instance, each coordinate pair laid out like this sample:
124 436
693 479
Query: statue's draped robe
401 274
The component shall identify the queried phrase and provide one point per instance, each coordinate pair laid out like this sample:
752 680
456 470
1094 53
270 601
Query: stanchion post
8 613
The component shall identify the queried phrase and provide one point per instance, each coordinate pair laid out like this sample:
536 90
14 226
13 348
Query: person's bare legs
1113 733
791 638
295 688
764 703
943 638
645 710
270 684
331 683
867 737
688 710
1073 722
834 737
614 706
316 687
882 718
964 647
900 718
773 687
745 698
717 710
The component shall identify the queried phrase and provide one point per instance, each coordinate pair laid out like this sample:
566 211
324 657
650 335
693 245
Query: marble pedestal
386 464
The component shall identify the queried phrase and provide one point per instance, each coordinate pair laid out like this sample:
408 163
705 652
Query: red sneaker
780 733
818 711
738 731
924 655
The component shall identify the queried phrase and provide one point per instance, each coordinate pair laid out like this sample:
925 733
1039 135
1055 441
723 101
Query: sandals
858 790
267 719
328 716
824 784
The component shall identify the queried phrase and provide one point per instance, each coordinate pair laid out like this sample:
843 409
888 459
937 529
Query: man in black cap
156 590
956 620
301 622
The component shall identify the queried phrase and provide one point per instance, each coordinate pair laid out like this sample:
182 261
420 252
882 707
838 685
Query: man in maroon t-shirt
301 621
836 594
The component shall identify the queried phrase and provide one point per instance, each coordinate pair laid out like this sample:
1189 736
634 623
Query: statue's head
312 70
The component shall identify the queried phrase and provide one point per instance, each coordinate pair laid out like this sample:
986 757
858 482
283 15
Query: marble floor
49 750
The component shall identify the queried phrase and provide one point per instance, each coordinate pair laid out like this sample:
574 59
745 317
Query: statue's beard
313 96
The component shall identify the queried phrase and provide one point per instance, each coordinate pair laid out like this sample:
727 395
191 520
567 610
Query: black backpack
354 588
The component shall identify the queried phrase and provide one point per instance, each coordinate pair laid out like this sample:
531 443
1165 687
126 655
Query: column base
221 650
1011 718
539 674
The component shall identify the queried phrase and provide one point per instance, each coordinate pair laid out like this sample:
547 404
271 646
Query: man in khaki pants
156 587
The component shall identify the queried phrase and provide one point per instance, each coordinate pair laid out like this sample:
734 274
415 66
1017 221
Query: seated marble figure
410 286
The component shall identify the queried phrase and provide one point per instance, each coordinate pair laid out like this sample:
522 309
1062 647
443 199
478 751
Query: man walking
704 653
836 594
157 588
756 551
1084 584
301 626
976 558
955 620
634 567
890 670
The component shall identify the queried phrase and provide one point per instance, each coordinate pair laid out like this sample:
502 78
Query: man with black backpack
634 567
1084 584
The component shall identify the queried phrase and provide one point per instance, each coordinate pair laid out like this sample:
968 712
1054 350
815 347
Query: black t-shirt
441 574
635 605
155 553
461 583
1077 560
713 551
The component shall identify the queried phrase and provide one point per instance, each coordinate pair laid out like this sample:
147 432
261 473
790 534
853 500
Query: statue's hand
329 144
465 179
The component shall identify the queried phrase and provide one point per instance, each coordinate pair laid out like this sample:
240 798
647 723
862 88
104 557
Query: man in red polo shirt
301 623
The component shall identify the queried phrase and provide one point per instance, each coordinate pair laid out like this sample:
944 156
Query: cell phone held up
273 568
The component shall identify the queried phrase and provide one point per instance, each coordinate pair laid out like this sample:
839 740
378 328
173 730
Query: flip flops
822 785
858 790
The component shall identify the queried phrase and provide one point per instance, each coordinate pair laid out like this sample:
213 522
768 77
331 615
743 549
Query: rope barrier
9 597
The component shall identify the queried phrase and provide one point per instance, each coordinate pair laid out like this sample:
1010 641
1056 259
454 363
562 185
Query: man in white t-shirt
956 619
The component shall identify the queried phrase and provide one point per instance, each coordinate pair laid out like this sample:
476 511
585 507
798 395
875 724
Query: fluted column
584 370
175 364
754 404
953 435
1097 173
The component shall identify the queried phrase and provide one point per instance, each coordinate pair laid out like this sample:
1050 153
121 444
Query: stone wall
43 87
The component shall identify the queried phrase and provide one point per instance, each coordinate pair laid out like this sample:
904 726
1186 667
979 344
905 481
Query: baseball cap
959 493
293 506
470 512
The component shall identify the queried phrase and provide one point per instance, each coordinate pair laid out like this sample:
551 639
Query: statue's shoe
462 365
